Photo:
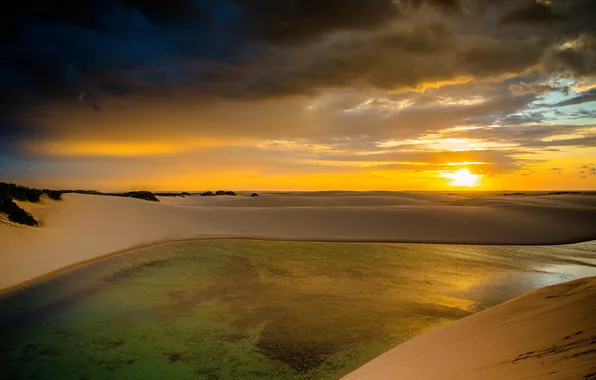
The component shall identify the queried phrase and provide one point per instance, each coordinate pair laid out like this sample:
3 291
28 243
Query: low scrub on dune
145 195
53 194
9 192
218 192
20 193
88 192
15 213
183 194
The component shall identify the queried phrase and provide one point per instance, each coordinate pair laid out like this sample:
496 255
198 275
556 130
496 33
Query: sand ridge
547 334
84 227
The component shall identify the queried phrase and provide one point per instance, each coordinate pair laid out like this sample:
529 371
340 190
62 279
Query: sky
299 94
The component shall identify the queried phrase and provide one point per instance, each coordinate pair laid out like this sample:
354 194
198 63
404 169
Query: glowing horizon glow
463 178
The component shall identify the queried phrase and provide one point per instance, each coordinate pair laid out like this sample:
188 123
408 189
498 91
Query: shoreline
23 284
83 228
492 348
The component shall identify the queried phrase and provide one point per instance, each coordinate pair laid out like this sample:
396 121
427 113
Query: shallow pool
237 309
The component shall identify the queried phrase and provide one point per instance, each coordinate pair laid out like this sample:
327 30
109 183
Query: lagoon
242 309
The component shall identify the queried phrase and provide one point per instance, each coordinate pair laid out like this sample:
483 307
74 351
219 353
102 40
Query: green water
225 309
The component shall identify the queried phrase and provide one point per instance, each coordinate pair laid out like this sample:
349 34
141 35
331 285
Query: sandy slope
83 227
547 334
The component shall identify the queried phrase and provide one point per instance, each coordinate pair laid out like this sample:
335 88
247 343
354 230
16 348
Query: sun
464 178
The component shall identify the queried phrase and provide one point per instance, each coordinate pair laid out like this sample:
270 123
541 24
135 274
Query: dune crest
547 334
84 227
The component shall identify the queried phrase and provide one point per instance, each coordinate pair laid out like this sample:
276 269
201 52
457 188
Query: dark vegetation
557 193
146 195
9 192
218 192
15 213
88 192
254 195
25 194
183 194
563 192
53 194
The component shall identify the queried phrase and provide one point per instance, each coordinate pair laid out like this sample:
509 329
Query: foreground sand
84 227
547 334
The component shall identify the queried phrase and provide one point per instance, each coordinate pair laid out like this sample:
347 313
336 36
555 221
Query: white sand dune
547 334
83 227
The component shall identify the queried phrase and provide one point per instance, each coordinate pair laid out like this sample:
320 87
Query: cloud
246 49
583 142
537 88
326 80
535 13
485 161
521 134
296 21
582 97
576 57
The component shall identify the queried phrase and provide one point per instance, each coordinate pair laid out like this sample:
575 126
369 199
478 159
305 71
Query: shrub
207 194
15 213
4 191
53 194
145 195
220 192
20 193
254 195
88 192
33 195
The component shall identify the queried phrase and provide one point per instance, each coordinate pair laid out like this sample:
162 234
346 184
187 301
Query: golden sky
363 95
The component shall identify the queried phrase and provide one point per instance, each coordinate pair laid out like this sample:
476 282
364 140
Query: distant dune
547 334
84 227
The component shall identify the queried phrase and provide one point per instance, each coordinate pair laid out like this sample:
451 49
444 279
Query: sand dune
547 334
299 200
83 227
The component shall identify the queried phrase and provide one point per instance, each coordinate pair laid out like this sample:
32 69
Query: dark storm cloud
62 49
105 52
11 133
296 21
536 12
250 49
578 60
291 21
399 58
